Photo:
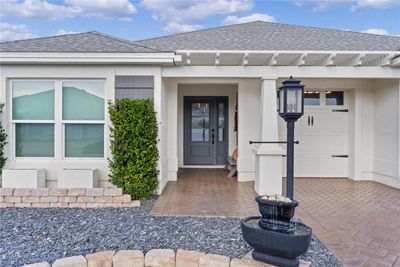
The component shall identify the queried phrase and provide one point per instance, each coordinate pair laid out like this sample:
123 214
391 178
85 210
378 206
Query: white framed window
33 118
40 109
83 113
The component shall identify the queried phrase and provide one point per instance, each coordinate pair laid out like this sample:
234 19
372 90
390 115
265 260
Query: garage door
323 132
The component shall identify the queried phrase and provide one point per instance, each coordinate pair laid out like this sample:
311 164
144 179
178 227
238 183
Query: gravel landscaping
32 235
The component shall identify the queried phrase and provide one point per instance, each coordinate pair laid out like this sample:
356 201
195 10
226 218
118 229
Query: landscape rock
160 258
131 258
188 258
100 259
214 260
74 261
40 264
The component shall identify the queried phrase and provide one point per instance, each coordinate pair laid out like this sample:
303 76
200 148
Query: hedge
133 165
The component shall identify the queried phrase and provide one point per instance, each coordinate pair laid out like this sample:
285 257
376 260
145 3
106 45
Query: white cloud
37 9
322 5
106 9
376 31
42 9
183 11
174 27
254 17
378 4
62 32
11 32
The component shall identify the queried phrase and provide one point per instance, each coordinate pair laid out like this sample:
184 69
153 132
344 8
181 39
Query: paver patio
358 221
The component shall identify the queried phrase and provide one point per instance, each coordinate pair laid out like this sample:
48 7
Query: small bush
134 147
3 142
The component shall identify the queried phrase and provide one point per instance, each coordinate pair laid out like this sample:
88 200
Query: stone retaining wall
65 198
153 258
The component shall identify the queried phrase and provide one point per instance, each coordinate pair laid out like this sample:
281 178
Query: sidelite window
33 118
83 118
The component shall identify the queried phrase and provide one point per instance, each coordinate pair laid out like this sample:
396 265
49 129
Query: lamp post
291 108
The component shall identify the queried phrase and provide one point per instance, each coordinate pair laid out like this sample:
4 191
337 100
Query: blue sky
140 19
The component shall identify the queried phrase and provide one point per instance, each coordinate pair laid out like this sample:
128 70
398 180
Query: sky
141 19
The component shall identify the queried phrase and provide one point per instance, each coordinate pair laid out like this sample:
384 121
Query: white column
268 176
172 128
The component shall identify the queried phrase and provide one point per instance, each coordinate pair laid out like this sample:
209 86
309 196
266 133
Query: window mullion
59 136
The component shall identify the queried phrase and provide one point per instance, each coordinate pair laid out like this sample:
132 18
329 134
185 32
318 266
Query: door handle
339 156
212 136
312 120
308 120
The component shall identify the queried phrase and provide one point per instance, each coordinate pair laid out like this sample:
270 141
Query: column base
268 176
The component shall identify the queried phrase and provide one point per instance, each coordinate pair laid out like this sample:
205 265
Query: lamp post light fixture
291 108
275 237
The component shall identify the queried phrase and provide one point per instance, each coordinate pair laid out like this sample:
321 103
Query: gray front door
205 130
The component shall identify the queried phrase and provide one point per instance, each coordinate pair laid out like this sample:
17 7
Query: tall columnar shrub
134 147
3 142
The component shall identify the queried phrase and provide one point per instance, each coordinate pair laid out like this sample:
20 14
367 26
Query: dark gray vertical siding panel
134 81
134 87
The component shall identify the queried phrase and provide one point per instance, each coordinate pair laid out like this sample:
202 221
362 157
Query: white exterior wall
59 72
229 90
386 145
248 91
374 113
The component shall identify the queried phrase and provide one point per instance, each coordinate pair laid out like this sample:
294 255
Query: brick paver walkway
206 192
358 221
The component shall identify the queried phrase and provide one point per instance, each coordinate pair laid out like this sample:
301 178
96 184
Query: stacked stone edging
153 258
65 198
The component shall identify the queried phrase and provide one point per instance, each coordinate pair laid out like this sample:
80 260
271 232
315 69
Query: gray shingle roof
260 35
88 42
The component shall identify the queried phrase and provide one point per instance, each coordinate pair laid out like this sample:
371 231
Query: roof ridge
125 41
264 22
201 30
47 37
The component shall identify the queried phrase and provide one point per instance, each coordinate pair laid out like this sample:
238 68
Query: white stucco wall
386 132
248 91
229 90
60 72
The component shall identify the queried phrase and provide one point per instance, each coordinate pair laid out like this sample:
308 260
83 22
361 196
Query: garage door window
311 98
334 98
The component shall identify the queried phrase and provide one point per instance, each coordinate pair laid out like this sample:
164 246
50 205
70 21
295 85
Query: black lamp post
291 108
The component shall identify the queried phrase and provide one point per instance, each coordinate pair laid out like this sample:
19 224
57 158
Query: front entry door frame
215 146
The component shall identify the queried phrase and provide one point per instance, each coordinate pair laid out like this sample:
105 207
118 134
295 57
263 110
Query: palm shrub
134 151
3 142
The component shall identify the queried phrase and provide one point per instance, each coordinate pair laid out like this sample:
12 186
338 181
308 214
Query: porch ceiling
288 58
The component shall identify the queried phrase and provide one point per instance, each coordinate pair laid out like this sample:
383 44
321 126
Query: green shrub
3 142
134 147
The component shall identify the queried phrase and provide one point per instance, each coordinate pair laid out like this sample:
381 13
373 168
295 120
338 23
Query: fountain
276 238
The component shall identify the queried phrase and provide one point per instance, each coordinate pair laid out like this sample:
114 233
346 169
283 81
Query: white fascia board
368 72
89 58
286 51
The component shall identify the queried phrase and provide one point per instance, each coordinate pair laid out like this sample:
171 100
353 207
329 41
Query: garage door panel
322 133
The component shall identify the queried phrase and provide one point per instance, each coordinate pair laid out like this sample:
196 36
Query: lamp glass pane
281 101
294 100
